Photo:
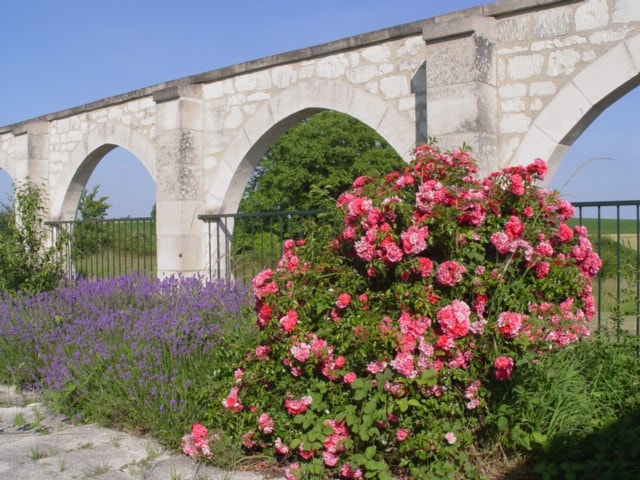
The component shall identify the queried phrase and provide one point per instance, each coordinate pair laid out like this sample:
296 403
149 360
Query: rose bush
378 355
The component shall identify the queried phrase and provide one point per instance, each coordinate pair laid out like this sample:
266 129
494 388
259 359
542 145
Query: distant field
608 226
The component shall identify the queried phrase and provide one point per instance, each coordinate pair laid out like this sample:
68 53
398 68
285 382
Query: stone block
376 54
633 46
542 89
514 123
563 113
452 109
512 90
522 67
626 11
367 108
536 144
562 62
442 70
178 147
552 22
619 67
394 86
332 67
179 182
592 14
168 115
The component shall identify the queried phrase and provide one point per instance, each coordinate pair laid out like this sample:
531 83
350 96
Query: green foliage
91 207
615 257
27 262
380 352
258 238
102 248
316 160
307 168
577 411
90 235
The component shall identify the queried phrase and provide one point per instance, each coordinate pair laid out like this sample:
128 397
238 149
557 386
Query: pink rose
453 319
450 273
349 377
294 407
376 367
262 351
504 368
280 448
414 239
565 233
516 185
510 323
402 434
514 227
265 423
343 301
231 402
291 472
289 321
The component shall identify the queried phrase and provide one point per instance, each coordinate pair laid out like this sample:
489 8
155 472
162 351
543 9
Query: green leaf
538 437
295 443
371 406
503 424
370 452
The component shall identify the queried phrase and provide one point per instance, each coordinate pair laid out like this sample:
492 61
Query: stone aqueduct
516 79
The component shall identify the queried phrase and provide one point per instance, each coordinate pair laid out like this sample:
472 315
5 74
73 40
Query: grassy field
617 304
608 226
112 262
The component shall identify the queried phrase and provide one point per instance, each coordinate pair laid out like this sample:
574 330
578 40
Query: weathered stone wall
544 52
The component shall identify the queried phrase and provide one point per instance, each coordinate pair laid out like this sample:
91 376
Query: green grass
608 226
112 262
576 411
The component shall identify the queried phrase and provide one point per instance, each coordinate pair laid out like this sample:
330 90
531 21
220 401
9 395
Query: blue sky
60 54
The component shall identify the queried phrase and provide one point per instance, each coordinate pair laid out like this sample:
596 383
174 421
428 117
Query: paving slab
36 444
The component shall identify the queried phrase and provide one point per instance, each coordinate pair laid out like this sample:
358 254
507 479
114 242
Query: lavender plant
128 351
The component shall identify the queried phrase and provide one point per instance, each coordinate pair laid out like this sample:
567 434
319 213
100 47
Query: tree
90 235
316 160
27 262
91 207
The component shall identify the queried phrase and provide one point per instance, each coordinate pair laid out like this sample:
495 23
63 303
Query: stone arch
285 110
579 103
84 158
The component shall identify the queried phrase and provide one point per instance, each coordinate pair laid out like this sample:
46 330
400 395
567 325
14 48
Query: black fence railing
240 245
614 230
107 248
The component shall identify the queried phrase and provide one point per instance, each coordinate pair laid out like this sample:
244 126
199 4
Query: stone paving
37 445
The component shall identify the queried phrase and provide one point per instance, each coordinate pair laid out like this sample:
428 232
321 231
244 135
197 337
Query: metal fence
614 230
241 245
107 248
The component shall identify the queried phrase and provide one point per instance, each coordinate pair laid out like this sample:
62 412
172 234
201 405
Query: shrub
382 353
27 261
